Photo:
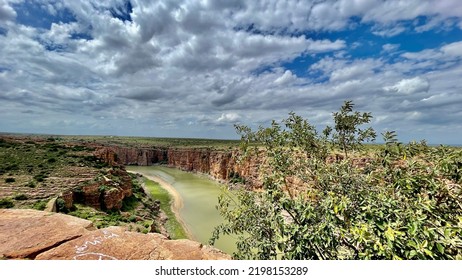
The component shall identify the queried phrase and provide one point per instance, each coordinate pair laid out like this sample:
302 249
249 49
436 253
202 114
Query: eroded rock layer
219 164
32 234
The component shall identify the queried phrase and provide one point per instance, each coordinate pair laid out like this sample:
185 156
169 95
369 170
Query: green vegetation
20 197
39 205
401 201
40 159
6 203
100 219
137 210
33 166
174 228
10 180
159 142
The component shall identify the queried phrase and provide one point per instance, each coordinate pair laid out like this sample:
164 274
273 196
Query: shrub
402 203
40 205
10 180
61 205
40 177
21 197
6 203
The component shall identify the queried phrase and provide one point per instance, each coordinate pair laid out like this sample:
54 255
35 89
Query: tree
314 208
348 134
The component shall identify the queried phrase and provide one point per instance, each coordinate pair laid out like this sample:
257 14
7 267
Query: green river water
200 196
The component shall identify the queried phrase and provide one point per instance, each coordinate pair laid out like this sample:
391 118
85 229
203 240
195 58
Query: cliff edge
32 234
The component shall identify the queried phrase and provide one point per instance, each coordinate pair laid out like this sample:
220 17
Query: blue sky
195 68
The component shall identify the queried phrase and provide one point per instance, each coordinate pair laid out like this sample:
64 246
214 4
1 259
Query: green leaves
348 135
404 202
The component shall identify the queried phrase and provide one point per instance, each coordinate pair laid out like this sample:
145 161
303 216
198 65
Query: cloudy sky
195 68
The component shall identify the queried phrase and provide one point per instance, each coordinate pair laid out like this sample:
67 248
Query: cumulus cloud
286 78
354 71
410 86
229 117
7 13
453 49
139 63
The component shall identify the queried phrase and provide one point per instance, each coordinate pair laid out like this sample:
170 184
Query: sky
196 68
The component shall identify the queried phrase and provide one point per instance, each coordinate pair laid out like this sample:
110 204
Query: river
199 195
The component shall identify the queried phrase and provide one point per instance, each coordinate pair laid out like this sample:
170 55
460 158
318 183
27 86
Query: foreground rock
40 235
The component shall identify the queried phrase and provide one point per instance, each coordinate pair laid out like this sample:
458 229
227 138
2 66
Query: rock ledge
31 234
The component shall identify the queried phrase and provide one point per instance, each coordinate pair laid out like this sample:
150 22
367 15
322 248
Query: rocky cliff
221 165
32 234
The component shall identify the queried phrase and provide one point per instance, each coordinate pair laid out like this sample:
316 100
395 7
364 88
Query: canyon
99 180
223 165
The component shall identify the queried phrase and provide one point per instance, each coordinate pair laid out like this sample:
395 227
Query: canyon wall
221 165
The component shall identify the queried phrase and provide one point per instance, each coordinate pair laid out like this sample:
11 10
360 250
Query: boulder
32 234
26 233
115 243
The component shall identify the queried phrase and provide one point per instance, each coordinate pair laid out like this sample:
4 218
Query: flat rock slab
114 243
41 235
26 233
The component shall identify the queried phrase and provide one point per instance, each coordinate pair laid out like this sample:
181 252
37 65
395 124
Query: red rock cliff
219 164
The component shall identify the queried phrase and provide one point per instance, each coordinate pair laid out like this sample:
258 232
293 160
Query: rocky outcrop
31 234
105 194
131 156
27 233
223 165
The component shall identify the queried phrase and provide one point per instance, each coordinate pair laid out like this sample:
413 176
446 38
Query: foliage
348 136
402 202
40 205
10 180
61 205
6 203
174 228
21 197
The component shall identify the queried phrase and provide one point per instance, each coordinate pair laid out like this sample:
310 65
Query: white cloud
286 78
390 47
453 49
358 70
229 117
388 31
7 13
225 61
410 86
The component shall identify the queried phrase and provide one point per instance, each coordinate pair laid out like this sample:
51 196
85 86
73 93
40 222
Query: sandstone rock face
91 195
107 194
49 236
26 233
114 243
219 164
113 198
131 156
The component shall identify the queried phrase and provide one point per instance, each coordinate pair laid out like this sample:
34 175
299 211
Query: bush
41 205
6 203
403 202
61 206
40 177
21 197
10 180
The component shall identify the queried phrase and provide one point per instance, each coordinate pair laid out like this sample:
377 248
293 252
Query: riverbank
199 197
170 203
